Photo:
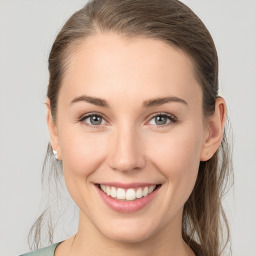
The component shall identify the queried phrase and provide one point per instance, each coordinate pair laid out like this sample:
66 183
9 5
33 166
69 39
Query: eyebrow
161 101
148 103
93 100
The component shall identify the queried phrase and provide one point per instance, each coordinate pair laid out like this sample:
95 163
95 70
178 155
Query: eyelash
171 118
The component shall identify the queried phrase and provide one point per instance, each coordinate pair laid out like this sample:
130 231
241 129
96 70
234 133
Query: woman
137 125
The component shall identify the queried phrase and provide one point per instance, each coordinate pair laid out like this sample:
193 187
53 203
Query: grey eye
161 119
95 120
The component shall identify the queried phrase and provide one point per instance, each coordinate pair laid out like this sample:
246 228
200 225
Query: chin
128 236
129 232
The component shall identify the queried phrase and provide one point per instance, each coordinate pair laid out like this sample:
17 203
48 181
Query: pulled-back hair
205 228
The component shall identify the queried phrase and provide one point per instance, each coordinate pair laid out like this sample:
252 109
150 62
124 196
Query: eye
93 120
162 119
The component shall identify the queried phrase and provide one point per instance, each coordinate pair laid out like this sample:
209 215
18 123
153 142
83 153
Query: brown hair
204 221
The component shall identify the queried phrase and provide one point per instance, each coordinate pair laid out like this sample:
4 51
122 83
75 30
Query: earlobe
215 125
52 128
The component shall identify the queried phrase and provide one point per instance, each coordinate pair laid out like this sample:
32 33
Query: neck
167 241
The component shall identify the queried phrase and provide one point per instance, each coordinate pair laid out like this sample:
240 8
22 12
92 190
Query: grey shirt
47 251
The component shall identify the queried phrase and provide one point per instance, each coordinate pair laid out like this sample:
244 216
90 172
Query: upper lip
127 185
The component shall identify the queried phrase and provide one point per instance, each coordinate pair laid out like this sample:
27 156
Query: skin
129 145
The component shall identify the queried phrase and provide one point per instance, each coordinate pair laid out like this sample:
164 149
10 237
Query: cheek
176 151
81 152
177 157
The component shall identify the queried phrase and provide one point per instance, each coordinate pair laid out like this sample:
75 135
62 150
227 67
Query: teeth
113 192
151 188
120 193
103 188
129 194
139 193
108 190
145 191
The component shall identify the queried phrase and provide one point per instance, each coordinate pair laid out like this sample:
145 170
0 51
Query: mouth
126 193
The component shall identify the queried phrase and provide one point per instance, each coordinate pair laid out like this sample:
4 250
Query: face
129 119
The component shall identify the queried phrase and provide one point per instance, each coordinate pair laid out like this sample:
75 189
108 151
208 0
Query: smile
129 194
127 198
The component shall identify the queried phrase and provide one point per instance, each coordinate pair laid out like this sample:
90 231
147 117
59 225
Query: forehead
110 65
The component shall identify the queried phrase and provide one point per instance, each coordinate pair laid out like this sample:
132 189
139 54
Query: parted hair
205 228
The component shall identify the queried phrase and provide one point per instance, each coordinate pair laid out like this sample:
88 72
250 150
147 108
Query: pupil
161 120
96 120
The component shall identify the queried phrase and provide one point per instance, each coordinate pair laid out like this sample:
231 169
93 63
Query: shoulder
47 251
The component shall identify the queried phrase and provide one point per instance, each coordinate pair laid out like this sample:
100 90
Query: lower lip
127 206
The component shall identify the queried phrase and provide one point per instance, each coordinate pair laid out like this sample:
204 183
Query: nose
126 151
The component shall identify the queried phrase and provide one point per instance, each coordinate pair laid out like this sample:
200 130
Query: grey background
27 31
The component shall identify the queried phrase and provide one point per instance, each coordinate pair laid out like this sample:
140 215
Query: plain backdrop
27 31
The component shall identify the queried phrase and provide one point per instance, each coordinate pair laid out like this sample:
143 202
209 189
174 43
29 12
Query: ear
52 127
215 125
